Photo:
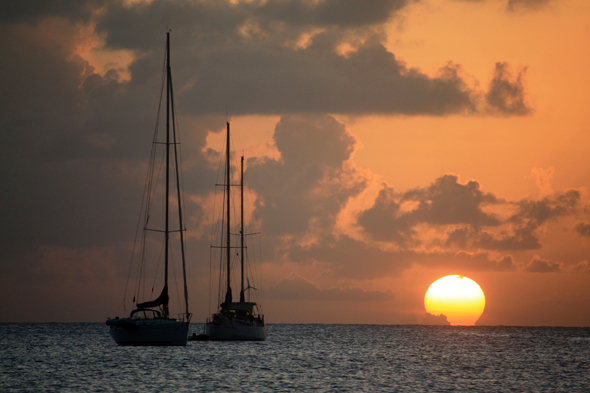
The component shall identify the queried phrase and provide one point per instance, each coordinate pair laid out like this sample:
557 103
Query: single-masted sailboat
150 322
241 320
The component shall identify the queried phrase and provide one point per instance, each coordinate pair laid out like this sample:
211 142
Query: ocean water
81 357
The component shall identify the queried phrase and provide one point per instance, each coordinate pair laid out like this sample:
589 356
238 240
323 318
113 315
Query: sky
388 143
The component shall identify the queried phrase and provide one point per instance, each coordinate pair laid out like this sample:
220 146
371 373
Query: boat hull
148 332
235 331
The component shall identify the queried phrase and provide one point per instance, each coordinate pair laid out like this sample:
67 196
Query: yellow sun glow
459 298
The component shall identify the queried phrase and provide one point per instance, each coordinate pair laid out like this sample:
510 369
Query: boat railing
184 317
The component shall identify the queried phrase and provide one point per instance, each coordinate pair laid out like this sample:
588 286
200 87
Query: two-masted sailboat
234 320
150 323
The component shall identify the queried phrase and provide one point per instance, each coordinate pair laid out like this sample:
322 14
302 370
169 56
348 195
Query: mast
178 194
242 228
167 229
228 295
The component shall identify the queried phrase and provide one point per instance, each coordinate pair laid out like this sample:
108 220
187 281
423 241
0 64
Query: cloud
447 201
306 188
34 10
385 221
282 57
75 141
444 202
518 5
332 12
467 213
583 229
540 265
350 258
580 267
430 319
506 95
539 211
298 288
523 5
544 177
520 228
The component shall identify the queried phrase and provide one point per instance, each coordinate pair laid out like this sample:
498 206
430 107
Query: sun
459 298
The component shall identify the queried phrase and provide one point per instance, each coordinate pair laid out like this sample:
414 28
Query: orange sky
356 248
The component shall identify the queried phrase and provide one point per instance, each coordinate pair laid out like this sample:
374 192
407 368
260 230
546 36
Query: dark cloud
521 226
506 95
307 187
352 258
430 319
519 238
34 10
540 265
298 288
447 201
530 215
317 79
395 217
547 208
356 259
444 202
482 261
384 220
74 143
221 22
350 13
523 5
583 229
246 57
518 5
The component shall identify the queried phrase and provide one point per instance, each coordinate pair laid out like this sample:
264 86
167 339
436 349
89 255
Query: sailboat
150 322
235 320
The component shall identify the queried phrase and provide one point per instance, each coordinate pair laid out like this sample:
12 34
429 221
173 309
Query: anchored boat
151 323
241 320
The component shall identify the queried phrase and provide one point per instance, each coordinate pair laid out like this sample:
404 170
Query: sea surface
81 357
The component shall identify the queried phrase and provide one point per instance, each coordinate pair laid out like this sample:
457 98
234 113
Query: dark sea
81 357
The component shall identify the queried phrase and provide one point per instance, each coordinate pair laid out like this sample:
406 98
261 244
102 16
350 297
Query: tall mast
178 194
242 228
228 295
167 230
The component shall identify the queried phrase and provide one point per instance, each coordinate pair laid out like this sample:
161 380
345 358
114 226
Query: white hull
130 331
235 330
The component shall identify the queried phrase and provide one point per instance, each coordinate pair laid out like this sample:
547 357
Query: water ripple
320 358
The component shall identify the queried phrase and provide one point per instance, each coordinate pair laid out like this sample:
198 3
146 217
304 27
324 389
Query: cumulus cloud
583 229
350 258
506 94
540 265
466 212
384 220
580 267
519 230
539 211
444 202
281 57
306 188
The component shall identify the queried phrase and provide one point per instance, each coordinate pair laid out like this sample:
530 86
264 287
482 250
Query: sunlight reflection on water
324 358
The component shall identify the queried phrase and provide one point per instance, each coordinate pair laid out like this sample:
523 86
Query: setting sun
459 298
